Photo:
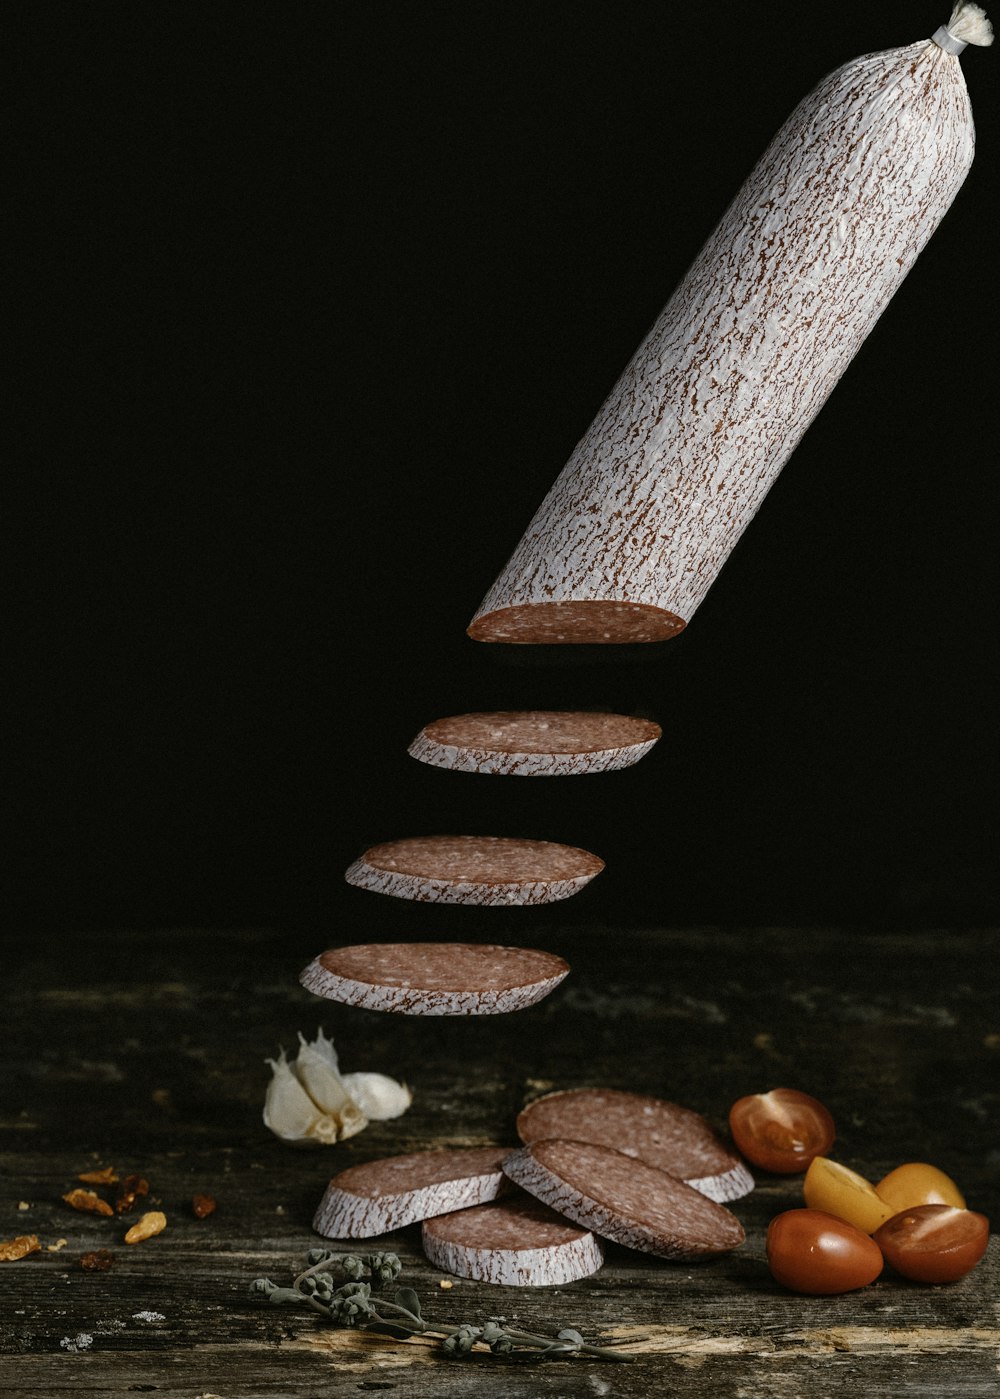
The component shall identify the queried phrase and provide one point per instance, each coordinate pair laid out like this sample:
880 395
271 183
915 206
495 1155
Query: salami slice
435 978
364 1201
475 870
518 1242
662 1134
540 743
623 1199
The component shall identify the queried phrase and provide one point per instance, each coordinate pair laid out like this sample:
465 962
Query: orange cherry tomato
832 1187
814 1252
781 1130
934 1243
916 1183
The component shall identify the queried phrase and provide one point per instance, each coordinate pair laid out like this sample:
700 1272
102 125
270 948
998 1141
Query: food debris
445 1284
161 1097
57 1246
131 1188
202 1205
23 1205
152 1222
97 1262
148 1316
88 1201
13 1249
106 1176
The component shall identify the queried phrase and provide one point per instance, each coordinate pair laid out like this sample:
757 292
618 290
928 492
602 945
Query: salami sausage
542 743
435 978
474 870
776 305
623 1199
518 1242
650 1129
364 1201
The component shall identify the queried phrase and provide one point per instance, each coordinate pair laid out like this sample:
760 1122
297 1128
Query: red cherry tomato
782 1130
934 1243
817 1253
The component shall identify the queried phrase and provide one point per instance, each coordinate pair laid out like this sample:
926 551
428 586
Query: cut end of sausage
380 1196
538 743
435 978
594 622
474 870
517 1242
653 1130
625 1200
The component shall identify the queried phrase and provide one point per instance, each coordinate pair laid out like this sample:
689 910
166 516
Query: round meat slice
541 743
364 1201
623 1199
435 978
662 1134
475 870
518 1242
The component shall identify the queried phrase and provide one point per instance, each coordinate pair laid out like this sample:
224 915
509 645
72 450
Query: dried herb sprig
352 1304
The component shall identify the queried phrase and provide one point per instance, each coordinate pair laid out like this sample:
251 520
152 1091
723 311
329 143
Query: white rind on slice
435 978
474 870
365 1201
625 1200
516 1242
661 1133
536 743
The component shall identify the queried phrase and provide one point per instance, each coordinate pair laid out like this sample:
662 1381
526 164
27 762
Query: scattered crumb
97 1262
88 1201
202 1205
13 1249
54 1248
83 1340
148 1316
445 1284
106 1176
23 1205
161 1097
152 1222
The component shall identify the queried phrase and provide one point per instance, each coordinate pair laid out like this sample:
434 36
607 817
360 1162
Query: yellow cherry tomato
832 1187
917 1183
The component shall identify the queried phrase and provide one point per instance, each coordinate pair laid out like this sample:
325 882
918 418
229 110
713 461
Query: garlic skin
377 1095
309 1103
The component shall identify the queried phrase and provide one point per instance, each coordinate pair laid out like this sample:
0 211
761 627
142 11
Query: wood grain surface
145 1051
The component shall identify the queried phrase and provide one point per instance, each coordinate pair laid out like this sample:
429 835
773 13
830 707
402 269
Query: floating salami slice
673 1138
518 1242
541 743
435 978
623 1199
364 1201
475 870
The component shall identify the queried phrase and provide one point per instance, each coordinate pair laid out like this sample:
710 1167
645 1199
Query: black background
318 301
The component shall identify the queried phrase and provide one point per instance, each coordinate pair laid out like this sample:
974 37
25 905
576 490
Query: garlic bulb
308 1103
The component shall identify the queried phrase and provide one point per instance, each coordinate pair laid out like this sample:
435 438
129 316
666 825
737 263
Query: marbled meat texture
625 1200
661 1133
543 743
375 1198
474 870
775 307
435 978
518 1242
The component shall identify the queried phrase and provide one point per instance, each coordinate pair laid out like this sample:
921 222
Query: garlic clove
290 1113
377 1095
316 1070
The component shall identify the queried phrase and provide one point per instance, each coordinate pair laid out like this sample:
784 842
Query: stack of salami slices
639 1171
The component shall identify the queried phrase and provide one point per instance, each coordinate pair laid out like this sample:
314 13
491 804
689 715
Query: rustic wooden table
145 1051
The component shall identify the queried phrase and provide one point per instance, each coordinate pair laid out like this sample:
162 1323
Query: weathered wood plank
147 1053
